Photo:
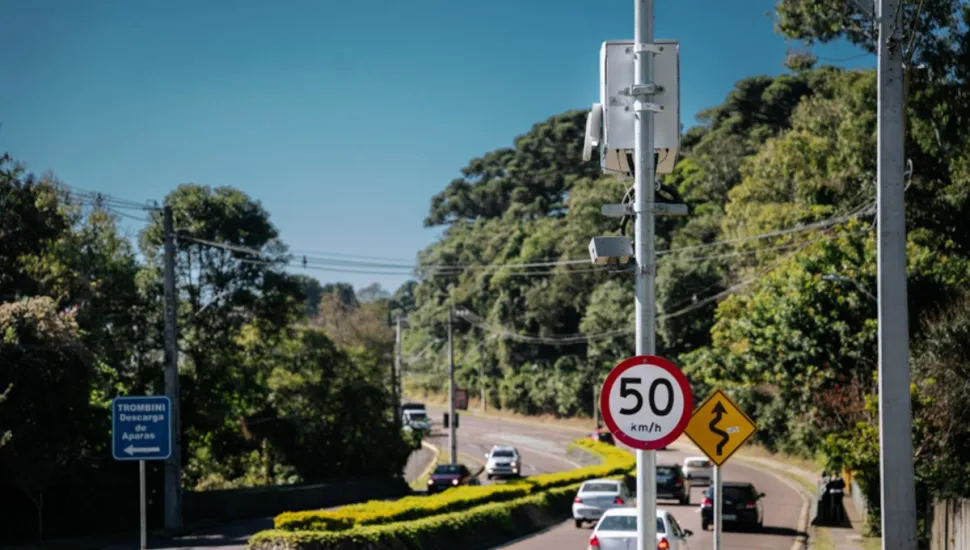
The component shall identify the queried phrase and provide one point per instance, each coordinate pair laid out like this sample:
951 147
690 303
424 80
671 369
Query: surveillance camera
610 250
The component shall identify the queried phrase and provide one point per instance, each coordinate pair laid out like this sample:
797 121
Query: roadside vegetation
271 392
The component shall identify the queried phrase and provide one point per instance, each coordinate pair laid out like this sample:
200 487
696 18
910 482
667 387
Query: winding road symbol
719 412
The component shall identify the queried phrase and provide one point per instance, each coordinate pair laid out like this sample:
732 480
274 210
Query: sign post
141 429
719 428
646 403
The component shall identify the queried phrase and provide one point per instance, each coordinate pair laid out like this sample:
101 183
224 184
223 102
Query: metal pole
452 440
143 505
596 408
895 415
173 466
646 261
717 507
396 375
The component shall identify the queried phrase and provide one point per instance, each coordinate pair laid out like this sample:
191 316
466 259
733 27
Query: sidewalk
843 537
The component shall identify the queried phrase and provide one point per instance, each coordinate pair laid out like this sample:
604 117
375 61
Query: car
741 505
617 530
603 436
699 470
672 483
503 461
446 476
416 420
596 496
416 407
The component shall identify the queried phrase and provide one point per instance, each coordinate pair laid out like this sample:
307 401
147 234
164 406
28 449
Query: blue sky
342 118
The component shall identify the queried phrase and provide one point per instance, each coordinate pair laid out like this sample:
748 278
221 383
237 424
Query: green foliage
81 323
615 462
477 528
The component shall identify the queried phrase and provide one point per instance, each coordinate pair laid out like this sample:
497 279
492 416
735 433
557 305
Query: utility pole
396 374
481 379
643 246
173 466
895 415
596 406
452 440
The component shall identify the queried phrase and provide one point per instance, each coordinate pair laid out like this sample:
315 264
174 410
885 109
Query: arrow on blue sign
141 427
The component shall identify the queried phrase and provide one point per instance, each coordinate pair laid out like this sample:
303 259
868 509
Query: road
783 509
543 448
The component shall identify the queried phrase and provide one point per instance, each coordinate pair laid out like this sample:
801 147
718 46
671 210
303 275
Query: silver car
596 496
617 530
503 461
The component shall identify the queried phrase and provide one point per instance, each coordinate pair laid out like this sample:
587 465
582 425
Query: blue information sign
141 428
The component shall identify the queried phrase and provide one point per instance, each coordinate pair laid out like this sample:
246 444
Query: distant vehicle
617 530
416 420
603 436
450 475
741 504
672 484
419 407
503 461
597 496
699 470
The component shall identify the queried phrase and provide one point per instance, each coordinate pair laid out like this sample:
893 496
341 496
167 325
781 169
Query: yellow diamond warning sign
719 427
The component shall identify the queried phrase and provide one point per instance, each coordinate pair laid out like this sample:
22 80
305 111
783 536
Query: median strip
505 509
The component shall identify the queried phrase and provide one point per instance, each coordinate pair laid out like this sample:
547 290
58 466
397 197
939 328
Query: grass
820 539
475 408
872 543
757 451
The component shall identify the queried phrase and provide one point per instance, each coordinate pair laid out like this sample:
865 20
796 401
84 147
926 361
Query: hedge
481 527
615 462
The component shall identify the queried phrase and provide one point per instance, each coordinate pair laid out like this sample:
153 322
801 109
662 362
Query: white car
698 470
503 461
617 530
597 496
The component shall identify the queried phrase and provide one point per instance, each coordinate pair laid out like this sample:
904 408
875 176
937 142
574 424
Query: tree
235 284
312 291
372 293
43 366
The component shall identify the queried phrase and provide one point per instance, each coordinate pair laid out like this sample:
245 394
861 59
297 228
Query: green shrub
478 528
376 512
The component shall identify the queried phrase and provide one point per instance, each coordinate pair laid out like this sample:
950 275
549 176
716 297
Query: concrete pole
645 256
173 466
396 381
452 439
895 415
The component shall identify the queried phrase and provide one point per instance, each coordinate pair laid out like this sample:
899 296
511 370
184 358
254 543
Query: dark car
603 436
742 506
449 475
672 483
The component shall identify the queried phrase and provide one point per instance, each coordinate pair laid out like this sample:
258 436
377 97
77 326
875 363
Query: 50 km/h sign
646 402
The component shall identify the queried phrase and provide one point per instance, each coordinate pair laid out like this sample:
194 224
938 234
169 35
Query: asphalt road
783 509
543 448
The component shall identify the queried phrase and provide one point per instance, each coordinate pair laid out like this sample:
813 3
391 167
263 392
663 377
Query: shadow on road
768 530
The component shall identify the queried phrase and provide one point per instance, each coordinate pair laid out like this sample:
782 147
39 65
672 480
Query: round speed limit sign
646 402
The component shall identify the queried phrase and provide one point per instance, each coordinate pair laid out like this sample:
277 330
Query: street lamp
844 279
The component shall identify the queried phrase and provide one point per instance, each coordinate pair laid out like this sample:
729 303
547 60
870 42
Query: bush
479 528
376 512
